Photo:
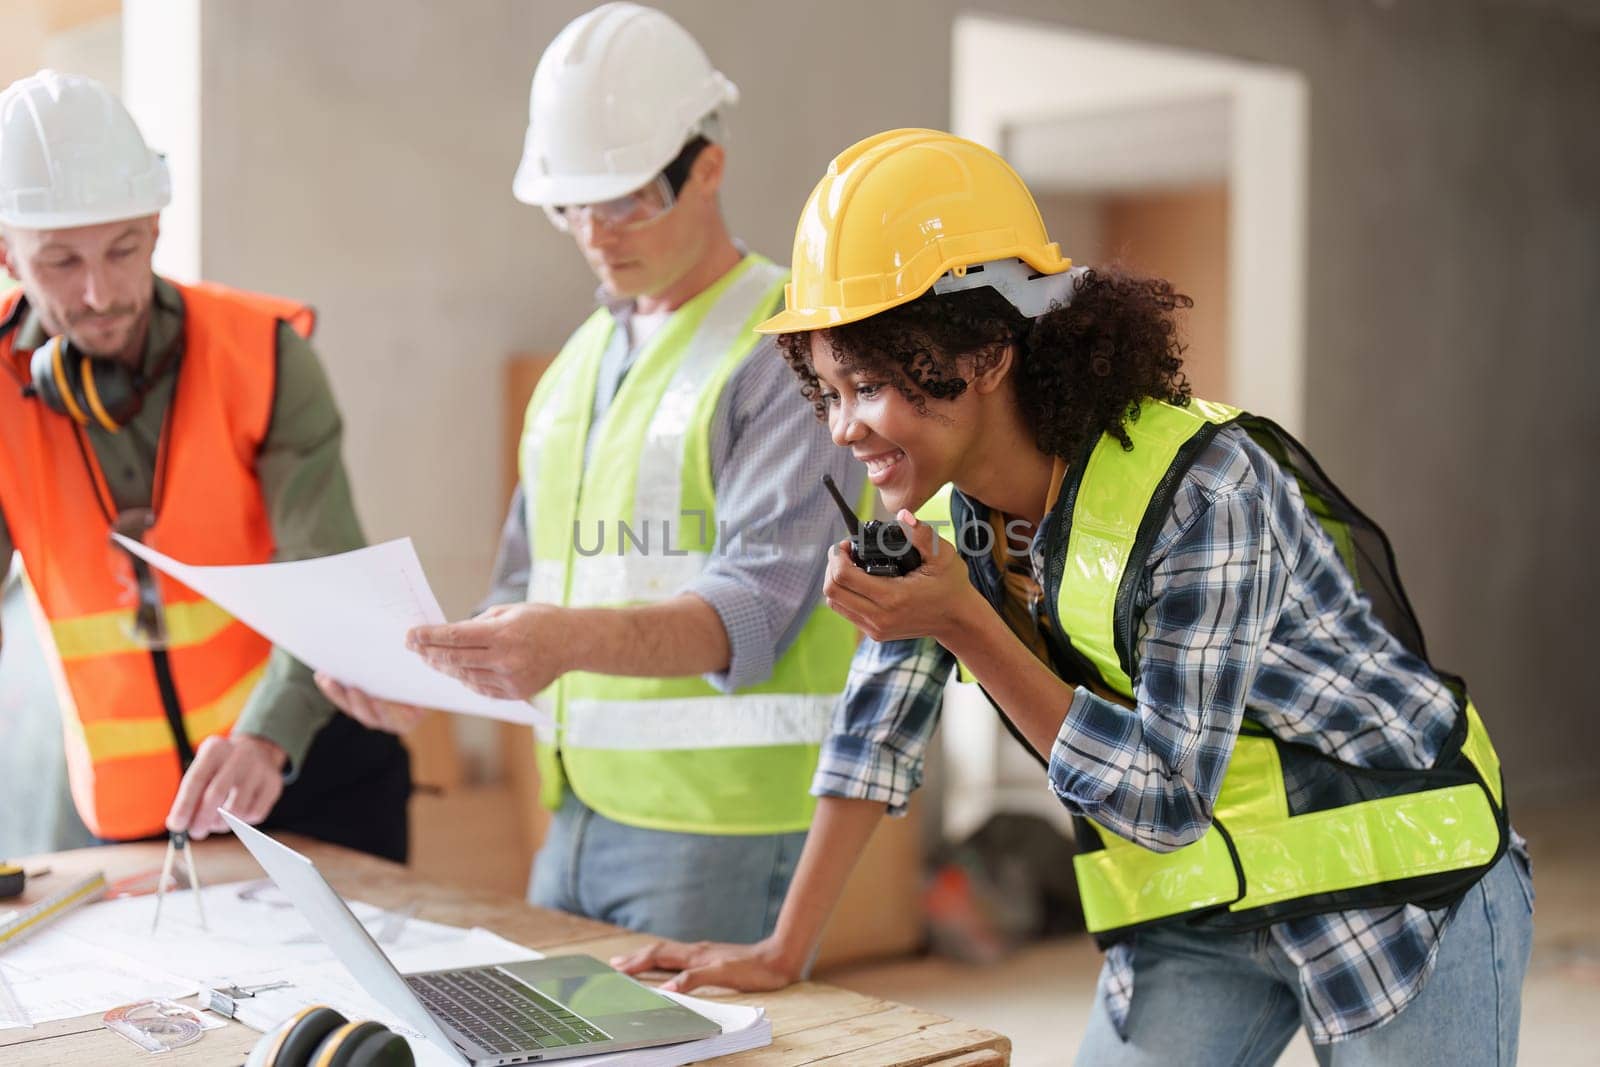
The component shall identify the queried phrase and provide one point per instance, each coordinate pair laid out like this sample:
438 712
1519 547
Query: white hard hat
614 99
70 155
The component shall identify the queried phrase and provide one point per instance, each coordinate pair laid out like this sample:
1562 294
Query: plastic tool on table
157 1025
36 916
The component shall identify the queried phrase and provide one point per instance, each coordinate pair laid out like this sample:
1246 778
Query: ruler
35 917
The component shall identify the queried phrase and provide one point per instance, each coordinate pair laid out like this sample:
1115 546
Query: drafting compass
178 841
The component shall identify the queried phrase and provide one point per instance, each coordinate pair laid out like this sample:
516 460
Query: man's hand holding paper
511 651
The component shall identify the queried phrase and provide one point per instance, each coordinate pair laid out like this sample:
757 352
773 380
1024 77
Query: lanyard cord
148 592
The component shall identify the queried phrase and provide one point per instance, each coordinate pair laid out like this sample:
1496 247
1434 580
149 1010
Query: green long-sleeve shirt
303 484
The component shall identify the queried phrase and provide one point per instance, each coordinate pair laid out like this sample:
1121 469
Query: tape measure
36 916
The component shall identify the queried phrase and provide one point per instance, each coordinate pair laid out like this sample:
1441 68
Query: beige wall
29 28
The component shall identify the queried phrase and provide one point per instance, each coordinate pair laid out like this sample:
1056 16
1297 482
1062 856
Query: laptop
528 1012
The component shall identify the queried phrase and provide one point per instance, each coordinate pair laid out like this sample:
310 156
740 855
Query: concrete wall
360 155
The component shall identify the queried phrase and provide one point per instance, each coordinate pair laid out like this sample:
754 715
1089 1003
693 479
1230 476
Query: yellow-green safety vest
636 525
1406 837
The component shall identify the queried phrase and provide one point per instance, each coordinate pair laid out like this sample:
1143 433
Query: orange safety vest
122 757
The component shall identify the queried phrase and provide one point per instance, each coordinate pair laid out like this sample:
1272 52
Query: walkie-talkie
877 547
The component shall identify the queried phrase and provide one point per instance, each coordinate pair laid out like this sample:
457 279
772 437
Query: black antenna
852 523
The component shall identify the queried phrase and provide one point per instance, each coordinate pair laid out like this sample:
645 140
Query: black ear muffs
321 1037
366 1044
293 1042
90 392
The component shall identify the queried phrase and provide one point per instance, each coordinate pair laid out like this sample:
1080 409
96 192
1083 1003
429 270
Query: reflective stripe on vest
1112 498
1285 856
115 739
636 524
121 757
1275 857
107 633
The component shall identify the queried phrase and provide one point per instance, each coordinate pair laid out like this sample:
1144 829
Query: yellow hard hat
896 212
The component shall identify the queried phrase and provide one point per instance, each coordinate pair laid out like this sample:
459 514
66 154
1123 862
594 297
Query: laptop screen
333 921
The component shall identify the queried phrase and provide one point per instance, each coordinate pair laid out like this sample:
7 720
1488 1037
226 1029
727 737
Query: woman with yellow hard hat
1286 815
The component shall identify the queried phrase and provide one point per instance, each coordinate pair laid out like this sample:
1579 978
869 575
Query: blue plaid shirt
1245 613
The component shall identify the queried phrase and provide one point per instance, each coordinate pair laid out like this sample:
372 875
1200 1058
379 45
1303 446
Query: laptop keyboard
502 1015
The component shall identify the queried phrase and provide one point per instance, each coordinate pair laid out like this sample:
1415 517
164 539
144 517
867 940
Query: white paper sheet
346 615
55 975
253 933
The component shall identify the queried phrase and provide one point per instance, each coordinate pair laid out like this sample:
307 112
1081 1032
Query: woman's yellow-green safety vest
637 524
1393 837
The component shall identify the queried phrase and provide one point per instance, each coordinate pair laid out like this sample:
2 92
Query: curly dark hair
1081 370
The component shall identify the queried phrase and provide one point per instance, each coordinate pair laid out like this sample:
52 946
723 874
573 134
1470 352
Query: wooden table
812 1023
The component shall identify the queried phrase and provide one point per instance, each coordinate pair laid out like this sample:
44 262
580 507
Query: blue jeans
1216 998
688 887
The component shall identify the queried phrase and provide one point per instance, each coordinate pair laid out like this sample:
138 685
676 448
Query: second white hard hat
614 99
71 155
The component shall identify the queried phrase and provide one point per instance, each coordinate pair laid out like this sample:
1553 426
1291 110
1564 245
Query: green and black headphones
318 1036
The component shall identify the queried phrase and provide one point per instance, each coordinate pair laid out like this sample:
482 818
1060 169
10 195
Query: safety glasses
638 208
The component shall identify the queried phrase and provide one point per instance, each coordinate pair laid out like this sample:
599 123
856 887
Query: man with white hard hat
658 577
195 418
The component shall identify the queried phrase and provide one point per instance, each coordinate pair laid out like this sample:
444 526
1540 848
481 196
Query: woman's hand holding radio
928 602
